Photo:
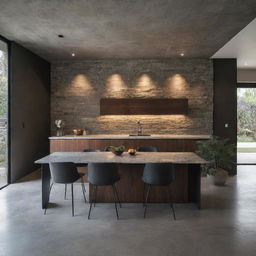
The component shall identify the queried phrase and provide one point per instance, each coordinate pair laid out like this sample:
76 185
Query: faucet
139 128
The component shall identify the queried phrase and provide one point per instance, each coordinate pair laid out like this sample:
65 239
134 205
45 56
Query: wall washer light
73 54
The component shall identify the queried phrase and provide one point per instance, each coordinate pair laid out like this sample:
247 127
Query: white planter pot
220 177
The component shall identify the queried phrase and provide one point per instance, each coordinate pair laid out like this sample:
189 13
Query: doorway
246 124
4 163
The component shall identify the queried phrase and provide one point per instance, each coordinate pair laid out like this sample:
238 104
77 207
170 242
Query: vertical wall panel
30 110
225 100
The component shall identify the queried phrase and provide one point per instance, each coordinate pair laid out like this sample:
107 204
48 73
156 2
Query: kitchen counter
127 137
186 188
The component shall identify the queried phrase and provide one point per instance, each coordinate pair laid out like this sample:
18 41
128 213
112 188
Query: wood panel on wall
225 101
148 106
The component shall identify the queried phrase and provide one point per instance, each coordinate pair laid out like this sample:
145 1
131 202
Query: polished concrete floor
225 226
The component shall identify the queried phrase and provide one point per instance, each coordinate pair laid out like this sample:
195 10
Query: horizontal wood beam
149 106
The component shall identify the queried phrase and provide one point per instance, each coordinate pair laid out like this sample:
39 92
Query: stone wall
77 87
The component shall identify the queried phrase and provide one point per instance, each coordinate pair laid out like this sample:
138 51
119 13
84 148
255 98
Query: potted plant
220 154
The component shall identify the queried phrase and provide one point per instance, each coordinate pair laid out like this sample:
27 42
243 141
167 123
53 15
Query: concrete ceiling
242 46
124 28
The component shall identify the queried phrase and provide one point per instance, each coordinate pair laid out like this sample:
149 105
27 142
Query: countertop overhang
127 137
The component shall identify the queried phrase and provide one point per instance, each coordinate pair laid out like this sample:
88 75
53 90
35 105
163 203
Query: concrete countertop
127 137
109 157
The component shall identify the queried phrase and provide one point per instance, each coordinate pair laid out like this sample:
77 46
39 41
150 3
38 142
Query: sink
139 135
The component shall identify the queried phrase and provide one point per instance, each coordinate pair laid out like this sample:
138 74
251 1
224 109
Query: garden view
3 112
246 121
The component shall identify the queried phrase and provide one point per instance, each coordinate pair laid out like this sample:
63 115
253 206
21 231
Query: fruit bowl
132 151
118 151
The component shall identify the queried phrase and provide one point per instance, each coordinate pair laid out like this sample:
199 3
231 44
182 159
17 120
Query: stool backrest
102 173
159 173
64 172
147 149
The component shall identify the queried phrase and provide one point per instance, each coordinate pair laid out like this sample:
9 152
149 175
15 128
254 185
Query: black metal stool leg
117 216
143 199
117 196
83 189
170 202
93 193
65 195
95 198
72 195
146 202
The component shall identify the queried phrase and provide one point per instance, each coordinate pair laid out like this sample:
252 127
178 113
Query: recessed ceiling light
61 36
182 54
73 54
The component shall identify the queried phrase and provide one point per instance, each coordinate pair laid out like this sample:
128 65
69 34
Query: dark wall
225 100
30 110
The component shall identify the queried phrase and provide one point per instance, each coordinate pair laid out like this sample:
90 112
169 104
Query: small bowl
117 153
132 151
78 132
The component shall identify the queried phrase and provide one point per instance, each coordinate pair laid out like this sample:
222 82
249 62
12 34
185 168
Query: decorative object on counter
60 126
117 150
78 132
85 132
220 153
132 151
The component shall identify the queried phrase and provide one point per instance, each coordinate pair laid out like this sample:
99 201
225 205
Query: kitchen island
185 189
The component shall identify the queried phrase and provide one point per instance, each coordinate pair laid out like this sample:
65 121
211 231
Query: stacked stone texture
78 86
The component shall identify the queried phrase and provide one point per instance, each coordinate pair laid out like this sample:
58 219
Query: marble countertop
109 157
127 137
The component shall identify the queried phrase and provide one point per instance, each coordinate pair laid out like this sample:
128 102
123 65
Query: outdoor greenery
219 152
3 101
246 113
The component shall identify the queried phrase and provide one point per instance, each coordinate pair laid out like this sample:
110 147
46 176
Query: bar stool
158 174
81 165
66 173
103 174
147 149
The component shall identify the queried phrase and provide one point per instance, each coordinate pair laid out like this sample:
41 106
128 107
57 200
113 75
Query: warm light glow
123 124
145 84
182 54
176 83
246 64
115 85
73 54
80 85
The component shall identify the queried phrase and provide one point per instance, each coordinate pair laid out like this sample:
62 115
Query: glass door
3 113
246 125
